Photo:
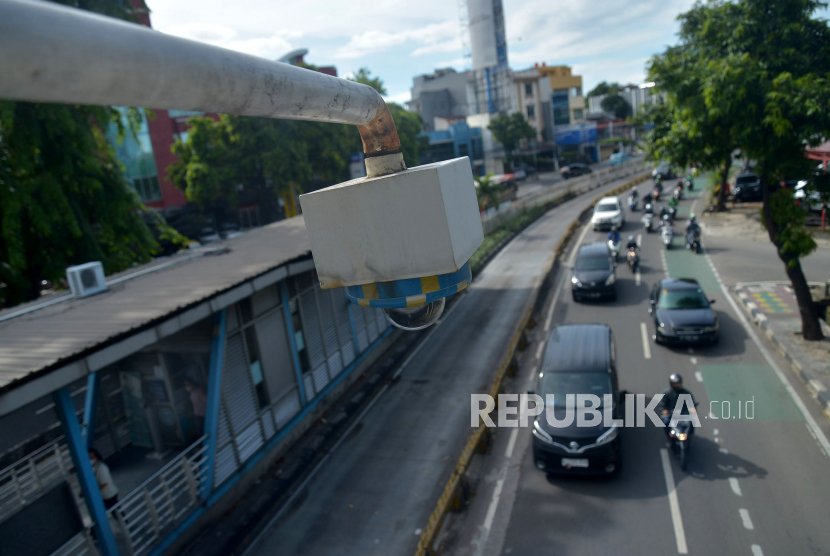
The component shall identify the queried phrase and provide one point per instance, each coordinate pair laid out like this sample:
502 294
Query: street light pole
52 53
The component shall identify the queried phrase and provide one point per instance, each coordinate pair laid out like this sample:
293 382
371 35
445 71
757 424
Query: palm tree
487 192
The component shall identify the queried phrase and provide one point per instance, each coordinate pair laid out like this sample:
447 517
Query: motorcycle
693 241
668 212
656 190
614 248
689 182
648 222
666 234
678 192
632 202
633 259
680 437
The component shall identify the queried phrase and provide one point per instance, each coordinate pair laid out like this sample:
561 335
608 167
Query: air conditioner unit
86 279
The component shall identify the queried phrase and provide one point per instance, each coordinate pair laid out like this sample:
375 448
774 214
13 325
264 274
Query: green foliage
63 197
604 88
617 105
487 192
509 129
363 75
409 125
789 220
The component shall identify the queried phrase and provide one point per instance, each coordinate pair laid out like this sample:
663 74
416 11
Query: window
561 109
576 91
578 114
528 89
531 112
147 188
463 150
184 113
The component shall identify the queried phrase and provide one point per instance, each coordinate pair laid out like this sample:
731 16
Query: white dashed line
674 505
577 244
491 513
746 519
637 278
508 453
756 550
699 376
694 360
639 240
539 350
733 482
553 304
646 346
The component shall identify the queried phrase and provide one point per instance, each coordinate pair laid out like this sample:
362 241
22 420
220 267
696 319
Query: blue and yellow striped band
412 292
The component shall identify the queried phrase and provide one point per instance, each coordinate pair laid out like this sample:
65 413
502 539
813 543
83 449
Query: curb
476 439
814 386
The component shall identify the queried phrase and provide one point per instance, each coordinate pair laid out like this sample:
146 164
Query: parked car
682 313
618 158
574 170
747 188
665 171
579 359
594 274
607 214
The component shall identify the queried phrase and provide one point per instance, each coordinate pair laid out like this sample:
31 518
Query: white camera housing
420 222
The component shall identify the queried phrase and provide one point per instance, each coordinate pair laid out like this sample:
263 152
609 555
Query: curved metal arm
51 53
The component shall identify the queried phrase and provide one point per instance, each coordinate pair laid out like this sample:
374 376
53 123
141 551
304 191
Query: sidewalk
774 309
749 266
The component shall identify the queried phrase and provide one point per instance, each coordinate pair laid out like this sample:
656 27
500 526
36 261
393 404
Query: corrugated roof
37 342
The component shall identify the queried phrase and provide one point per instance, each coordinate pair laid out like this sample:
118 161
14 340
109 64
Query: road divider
455 490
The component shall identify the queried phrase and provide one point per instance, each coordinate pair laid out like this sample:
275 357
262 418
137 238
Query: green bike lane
753 435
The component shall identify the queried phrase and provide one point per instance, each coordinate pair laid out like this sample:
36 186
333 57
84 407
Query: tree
509 130
616 105
604 88
64 199
363 75
764 75
487 192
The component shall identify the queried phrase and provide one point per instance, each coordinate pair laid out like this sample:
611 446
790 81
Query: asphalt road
376 490
753 486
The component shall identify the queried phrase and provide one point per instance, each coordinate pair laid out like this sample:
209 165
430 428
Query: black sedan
682 313
574 170
594 274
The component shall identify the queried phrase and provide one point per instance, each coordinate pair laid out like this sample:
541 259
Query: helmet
675 379
630 238
614 228
692 216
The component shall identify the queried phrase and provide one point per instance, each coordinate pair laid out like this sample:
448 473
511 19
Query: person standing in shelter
109 492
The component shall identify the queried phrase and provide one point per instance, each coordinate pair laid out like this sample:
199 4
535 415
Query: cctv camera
400 242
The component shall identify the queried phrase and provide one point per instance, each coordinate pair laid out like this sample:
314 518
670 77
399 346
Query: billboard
585 132
482 33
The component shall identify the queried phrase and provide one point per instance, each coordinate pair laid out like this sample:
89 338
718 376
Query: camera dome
415 318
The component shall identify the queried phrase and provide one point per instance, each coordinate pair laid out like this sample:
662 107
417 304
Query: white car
607 214
809 199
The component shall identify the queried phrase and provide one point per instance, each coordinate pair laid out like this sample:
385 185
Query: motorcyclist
634 193
632 244
692 229
614 235
671 398
648 208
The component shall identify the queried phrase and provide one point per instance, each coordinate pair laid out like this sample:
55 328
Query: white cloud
271 47
399 98
452 45
434 35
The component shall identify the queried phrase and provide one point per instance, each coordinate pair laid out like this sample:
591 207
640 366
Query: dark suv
574 170
579 359
594 275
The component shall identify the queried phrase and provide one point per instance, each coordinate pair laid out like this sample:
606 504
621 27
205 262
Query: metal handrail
52 53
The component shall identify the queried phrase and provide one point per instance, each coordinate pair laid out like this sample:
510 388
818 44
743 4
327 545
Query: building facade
189 376
454 140
441 94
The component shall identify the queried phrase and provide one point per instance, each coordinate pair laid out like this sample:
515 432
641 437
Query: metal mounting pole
52 53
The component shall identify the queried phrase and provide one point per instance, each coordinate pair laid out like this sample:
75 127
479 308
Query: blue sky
397 39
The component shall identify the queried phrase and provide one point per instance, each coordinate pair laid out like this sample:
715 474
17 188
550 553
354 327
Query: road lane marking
733 482
756 550
699 376
553 303
694 360
663 262
674 505
637 278
511 443
572 256
491 513
646 347
746 519
822 439
715 432
539 350
639 240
